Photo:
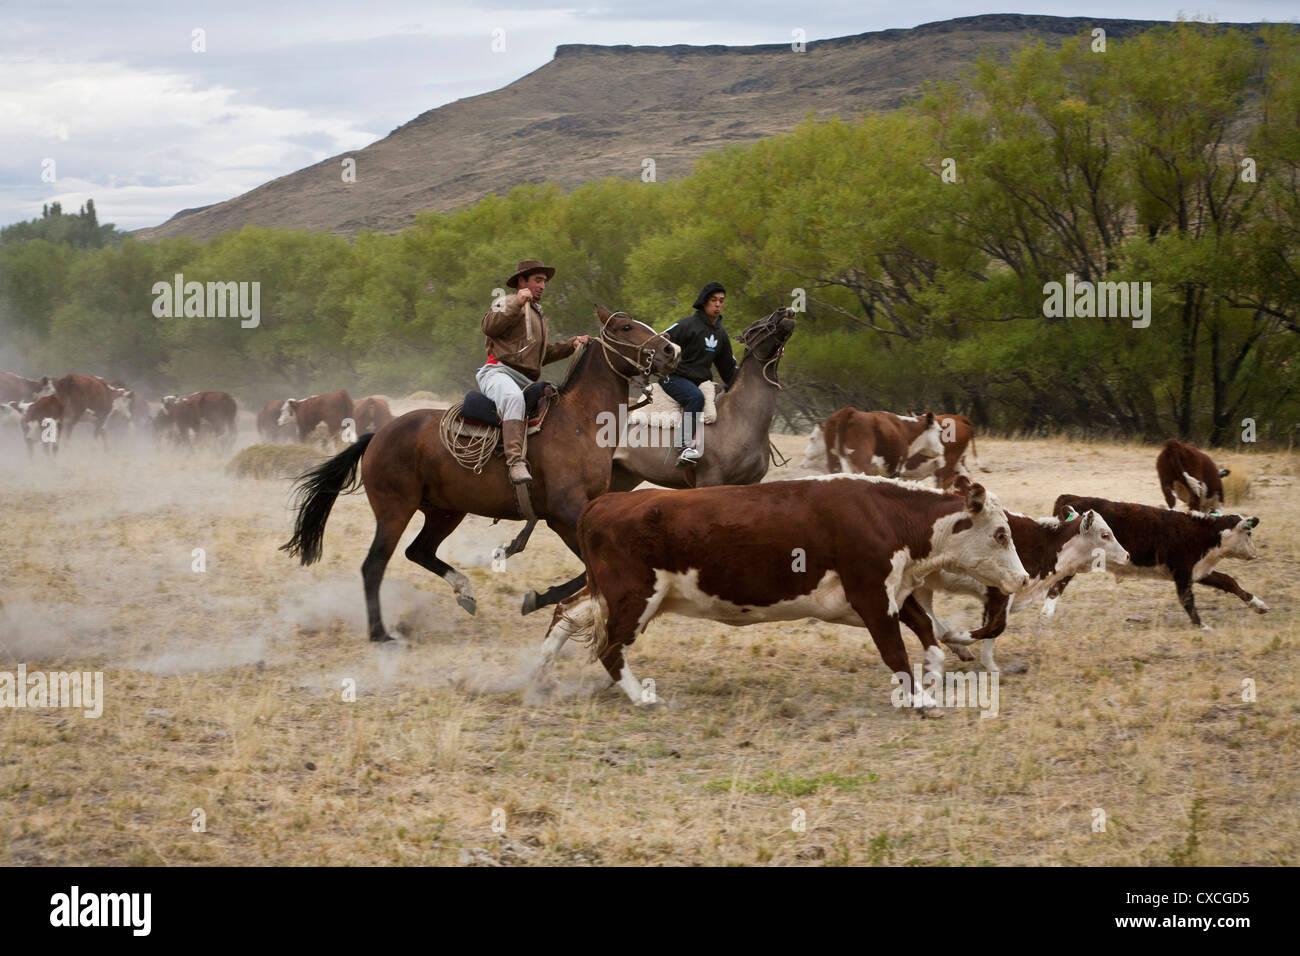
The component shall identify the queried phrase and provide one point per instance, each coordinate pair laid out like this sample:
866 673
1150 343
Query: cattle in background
957 433
843 549
1191 475
269 427
41 422
814 453
140 414
329 409
371 414
1051 549
187 416
1171 544
882 443
88 394
15 388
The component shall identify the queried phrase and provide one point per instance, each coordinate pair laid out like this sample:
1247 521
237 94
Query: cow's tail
314 497
599 621
583 618
586 615
974 455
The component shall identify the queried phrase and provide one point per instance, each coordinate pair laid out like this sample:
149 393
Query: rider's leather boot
515 439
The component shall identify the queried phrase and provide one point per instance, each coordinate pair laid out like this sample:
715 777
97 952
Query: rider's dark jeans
688 395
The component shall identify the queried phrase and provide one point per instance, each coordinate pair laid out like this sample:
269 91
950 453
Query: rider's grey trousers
505 387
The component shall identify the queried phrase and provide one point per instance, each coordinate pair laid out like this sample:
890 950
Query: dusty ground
224 694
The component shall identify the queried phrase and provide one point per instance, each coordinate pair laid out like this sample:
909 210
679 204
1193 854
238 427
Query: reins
756 333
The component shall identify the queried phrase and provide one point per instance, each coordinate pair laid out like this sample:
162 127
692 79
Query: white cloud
118 133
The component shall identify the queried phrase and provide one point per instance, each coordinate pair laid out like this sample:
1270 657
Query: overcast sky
113 92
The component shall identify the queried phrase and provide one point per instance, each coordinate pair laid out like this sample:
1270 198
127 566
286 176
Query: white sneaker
689 456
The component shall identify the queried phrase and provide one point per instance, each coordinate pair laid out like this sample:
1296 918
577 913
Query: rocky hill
598 111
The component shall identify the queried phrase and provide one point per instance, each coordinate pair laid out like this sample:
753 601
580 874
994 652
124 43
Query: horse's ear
602 314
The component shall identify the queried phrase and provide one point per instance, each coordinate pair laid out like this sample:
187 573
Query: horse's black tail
314 497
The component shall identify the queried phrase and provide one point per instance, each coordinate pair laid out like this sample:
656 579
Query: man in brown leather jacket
517 348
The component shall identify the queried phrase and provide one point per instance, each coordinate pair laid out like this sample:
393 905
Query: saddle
479 410
471 429
662 411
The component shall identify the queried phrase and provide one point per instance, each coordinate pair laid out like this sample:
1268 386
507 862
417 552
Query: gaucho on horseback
705 344
517 348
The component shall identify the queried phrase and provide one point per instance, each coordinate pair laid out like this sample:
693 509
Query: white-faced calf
1051 549
41 422
1170 544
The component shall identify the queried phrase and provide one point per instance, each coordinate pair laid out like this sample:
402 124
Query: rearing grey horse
736 447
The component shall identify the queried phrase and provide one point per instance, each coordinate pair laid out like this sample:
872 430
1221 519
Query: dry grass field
223 692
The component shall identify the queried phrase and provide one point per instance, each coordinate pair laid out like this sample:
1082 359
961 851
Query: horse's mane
575 366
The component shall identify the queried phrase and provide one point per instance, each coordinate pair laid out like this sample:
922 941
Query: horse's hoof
530 603
931 713
383 638
467 602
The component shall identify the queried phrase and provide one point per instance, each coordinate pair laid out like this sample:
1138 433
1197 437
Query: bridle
645 357
759 331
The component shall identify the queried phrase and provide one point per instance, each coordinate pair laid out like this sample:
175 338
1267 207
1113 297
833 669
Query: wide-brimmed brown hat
526 266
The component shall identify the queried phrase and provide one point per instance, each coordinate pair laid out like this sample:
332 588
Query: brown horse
736 447
405 467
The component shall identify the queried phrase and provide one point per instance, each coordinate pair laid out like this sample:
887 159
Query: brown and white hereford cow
845 549
88 394
957 433
268 423
187 416
41 422
1191 475
371 414
881 443
1051 549
1167 544
330 408
16 388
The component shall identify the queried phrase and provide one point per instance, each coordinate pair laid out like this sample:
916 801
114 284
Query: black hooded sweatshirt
704 344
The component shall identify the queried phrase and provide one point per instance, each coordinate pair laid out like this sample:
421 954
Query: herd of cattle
870 544
1183 546
861 545
47 410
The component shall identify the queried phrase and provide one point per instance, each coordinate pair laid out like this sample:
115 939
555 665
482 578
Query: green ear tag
1072 517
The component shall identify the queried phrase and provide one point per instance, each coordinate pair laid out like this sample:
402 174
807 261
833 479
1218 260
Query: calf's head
979 541
1235 537
1094 541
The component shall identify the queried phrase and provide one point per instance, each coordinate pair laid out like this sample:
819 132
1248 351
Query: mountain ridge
574 119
